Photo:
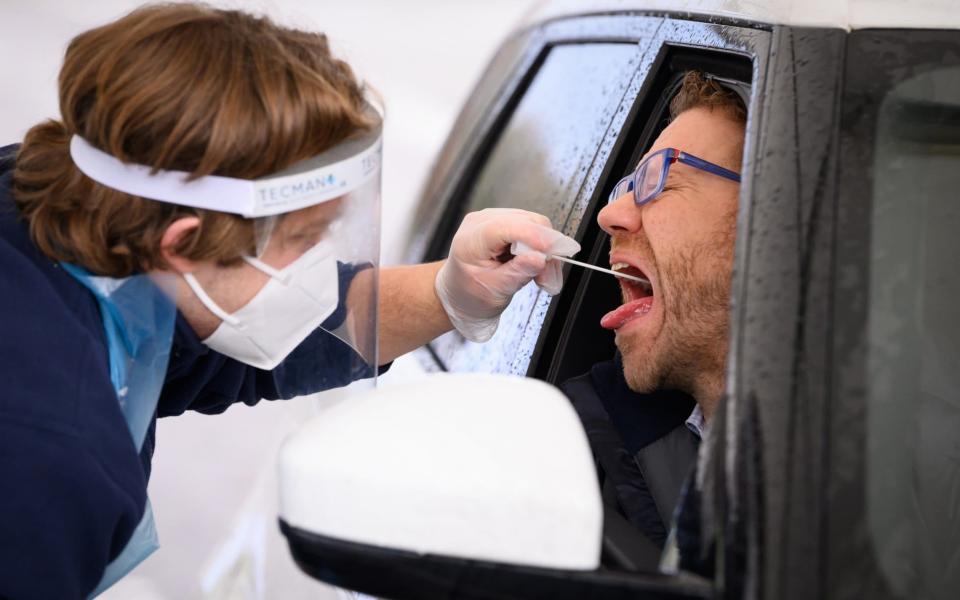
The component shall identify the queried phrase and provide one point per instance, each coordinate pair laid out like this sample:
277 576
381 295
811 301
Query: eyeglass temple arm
707 166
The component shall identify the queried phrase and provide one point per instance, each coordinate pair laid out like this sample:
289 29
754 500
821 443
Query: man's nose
622 215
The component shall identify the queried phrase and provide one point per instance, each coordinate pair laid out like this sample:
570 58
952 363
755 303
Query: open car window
574 342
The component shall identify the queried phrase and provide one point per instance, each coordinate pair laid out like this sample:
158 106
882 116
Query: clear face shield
304 305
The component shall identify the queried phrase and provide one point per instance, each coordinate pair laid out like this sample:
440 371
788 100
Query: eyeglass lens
649 177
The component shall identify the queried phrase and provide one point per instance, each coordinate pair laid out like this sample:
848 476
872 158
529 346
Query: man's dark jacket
644 451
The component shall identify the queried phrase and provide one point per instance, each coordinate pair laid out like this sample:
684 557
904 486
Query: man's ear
175 232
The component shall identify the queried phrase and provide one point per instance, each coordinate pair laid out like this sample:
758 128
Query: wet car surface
832 470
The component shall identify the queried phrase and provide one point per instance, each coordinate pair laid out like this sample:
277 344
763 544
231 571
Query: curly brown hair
700 91
179 87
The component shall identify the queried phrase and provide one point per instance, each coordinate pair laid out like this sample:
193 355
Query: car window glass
539 163
913 338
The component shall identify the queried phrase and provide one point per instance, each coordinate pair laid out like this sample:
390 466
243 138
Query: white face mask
296 300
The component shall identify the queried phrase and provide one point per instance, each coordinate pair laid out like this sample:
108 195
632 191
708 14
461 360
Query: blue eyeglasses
651 175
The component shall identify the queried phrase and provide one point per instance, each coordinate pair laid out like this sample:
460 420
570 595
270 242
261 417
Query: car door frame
771 438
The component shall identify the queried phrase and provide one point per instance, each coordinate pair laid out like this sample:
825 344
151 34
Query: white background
212 486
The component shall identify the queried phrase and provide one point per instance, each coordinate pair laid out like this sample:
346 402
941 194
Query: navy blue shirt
74 486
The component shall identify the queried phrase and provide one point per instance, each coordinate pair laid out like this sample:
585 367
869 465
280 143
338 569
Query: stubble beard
689 351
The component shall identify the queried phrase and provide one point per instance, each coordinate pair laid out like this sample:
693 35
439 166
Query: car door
554 339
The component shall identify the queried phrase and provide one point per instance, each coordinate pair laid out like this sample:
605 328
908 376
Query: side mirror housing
479 467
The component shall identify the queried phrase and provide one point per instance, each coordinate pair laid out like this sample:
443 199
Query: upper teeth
619 266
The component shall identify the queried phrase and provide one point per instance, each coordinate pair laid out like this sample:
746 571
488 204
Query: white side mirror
482 467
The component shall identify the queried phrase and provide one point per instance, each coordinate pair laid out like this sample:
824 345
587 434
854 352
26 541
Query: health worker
201 228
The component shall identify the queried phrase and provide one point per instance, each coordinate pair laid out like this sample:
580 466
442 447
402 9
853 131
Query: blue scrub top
74 486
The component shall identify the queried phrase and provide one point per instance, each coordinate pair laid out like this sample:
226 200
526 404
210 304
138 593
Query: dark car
833 470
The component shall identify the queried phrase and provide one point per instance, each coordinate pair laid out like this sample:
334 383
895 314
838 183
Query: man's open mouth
638 297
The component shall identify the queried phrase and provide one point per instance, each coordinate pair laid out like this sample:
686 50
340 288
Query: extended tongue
618 317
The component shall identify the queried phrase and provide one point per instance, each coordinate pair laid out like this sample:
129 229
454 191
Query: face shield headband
329 175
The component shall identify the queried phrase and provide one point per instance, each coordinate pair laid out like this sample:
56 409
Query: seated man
672 222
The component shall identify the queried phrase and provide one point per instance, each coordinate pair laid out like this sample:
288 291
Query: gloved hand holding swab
477 281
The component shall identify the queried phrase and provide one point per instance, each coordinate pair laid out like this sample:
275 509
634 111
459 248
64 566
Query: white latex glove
480 277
